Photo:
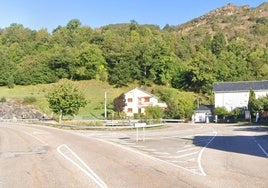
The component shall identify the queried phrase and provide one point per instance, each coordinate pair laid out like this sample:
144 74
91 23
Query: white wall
232 100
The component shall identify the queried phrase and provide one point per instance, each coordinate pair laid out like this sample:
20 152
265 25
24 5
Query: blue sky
37 14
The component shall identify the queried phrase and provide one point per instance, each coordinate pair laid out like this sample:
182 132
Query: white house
233 95
137 100
203 114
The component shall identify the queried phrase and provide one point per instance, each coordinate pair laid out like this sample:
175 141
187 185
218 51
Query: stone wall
18 111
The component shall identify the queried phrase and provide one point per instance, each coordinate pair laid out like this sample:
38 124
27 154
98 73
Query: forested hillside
227 44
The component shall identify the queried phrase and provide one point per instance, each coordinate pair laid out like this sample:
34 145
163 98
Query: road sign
139 125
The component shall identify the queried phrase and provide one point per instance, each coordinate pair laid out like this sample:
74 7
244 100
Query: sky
49 14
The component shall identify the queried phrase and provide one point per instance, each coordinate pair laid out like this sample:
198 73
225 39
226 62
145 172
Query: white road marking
149 156
86 168
36 132
160 153
139 146
263 150
148 149
201 153
187 146
189 160
181 156
31 136
189 149
165 159
36 138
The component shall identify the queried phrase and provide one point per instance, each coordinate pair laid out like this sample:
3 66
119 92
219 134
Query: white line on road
263 150
179 151
160 153
139 146
181 156
149 156
87 171
149 149
201 153
35 138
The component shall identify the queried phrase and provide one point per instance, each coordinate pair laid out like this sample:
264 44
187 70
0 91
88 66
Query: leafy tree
264 101
120 75
254 105
33 71
198 75
73 24
61 59
7 69
260 28
119 103
153 112
42 40
222 112
65 99
180 104
90 64
186 106
218 44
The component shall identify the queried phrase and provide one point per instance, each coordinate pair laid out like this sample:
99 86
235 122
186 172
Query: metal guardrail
173 120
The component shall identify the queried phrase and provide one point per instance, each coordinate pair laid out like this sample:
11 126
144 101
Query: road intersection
178 155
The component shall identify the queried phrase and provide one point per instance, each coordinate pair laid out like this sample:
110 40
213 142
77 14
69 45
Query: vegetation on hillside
227 44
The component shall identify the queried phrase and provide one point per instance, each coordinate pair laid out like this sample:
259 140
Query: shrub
3 99
221 112
29 100
153 112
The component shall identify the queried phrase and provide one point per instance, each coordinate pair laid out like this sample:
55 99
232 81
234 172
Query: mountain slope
233 21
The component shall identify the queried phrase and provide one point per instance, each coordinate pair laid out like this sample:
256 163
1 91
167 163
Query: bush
29 100
3 99
221 112
153 112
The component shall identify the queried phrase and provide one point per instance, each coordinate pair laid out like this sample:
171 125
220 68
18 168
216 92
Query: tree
32 70
65 99
73 24
119 103
153 112
7 70
254 105
90 64
221 112
218 43
180 104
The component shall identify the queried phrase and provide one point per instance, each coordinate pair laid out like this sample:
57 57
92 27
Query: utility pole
105 105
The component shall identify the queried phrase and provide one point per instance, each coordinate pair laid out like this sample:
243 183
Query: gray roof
205 108
240 86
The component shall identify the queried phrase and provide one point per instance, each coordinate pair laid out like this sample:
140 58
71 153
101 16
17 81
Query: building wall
137 101
232 100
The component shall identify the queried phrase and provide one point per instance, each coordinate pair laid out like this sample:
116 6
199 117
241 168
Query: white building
137 100
203 114
233 95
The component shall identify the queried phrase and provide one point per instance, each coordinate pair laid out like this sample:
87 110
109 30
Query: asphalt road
181 155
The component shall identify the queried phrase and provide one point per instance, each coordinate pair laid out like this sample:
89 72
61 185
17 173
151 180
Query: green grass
93 90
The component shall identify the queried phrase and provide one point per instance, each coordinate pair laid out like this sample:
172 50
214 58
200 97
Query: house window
129 100
147 99
129 110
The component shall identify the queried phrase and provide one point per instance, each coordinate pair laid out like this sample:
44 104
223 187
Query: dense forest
227 44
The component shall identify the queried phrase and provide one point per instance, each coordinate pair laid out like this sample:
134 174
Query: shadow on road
252 128
248 145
